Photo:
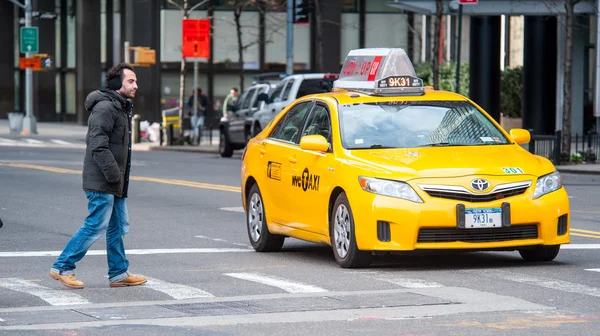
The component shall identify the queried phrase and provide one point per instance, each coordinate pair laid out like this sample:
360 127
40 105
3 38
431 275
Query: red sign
196 38
467 2
30 63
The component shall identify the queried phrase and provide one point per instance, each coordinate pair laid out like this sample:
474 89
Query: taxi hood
450 161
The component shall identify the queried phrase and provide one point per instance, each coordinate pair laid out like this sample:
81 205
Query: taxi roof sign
380 71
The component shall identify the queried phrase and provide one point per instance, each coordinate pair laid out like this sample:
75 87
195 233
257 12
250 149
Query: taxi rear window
416 124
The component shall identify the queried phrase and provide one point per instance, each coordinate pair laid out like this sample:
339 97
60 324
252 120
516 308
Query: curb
184 149
578 171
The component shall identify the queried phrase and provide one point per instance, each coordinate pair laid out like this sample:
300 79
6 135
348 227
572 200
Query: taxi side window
319 123
289 127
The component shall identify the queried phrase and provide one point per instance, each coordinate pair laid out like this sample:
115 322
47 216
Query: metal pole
29 122
460 20
289 67
597 82
126 51
195 108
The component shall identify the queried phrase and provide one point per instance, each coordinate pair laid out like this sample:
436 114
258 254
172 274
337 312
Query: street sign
196 38
30 63
467 2
29 40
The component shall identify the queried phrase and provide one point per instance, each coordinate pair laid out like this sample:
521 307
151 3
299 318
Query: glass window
261 89
275 95
416 124
246 103
288 88
288 128
312 86
318 123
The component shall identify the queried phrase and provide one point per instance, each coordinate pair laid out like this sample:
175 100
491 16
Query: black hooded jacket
108 150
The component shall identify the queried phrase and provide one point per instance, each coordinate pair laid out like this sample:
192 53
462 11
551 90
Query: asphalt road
188 236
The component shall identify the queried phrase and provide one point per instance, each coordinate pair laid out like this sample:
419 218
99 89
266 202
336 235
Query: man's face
129 85
234 93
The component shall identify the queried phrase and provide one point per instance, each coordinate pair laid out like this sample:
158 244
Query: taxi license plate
483 218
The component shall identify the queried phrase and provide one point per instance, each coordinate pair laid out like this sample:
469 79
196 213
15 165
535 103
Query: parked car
262 101
233 132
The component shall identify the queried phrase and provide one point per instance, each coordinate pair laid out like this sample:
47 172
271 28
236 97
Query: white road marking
62 142
34 141
407 283
176 291
129 252
286 285
593 269
565 286
7 140
52 296
222 240
233 209
580 247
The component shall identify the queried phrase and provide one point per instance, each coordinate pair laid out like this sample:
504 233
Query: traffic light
301 11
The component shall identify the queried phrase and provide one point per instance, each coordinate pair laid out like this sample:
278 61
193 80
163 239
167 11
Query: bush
447 76
511 84
511 92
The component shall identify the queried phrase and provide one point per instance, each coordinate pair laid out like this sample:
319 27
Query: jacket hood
103 95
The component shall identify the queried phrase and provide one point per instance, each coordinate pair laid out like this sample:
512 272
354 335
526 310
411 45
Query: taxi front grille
475 198
459 193
448 235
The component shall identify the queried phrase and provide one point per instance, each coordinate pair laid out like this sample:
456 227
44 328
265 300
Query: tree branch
174 4
197 5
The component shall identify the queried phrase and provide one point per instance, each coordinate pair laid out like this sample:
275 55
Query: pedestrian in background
197 116
105 181
230 101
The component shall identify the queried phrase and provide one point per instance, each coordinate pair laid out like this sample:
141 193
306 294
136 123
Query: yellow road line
584 235
586 231
135 178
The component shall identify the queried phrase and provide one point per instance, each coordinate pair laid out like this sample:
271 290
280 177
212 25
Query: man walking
105 181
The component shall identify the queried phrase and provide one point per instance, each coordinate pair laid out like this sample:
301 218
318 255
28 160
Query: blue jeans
197 122
108 213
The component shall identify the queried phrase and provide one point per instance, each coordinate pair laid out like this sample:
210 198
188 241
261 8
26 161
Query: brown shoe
131 280
67 280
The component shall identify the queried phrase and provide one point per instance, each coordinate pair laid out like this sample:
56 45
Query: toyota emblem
480 184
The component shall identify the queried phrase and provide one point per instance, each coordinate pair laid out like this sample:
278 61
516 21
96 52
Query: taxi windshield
416 124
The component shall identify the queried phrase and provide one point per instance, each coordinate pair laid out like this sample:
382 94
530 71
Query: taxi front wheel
540 253
261 239
343 236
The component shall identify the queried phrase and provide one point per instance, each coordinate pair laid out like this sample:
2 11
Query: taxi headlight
547 184
389 188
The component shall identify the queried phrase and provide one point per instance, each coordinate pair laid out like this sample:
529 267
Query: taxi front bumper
384 223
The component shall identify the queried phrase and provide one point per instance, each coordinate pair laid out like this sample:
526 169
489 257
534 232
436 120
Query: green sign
29 40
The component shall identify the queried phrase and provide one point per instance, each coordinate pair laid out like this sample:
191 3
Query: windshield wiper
442 144
380 146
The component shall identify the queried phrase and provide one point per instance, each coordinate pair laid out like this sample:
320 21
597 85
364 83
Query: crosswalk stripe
129 252
233 209
11 141
52 296
176 291
593 269
565 286
62 142
406 282
286 285
34 141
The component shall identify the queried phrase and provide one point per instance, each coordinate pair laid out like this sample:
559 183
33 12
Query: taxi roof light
382 71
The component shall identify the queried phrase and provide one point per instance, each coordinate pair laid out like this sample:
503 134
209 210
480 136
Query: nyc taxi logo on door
307 181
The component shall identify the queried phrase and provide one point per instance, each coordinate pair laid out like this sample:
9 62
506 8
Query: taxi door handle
262 151
293 159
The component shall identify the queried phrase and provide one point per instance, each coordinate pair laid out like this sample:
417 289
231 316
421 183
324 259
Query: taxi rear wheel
261 239
540 253
343 236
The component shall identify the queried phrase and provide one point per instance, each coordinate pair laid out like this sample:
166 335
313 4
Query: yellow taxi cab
383 164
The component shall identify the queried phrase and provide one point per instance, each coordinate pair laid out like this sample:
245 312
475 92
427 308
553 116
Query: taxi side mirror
314 142
520 136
